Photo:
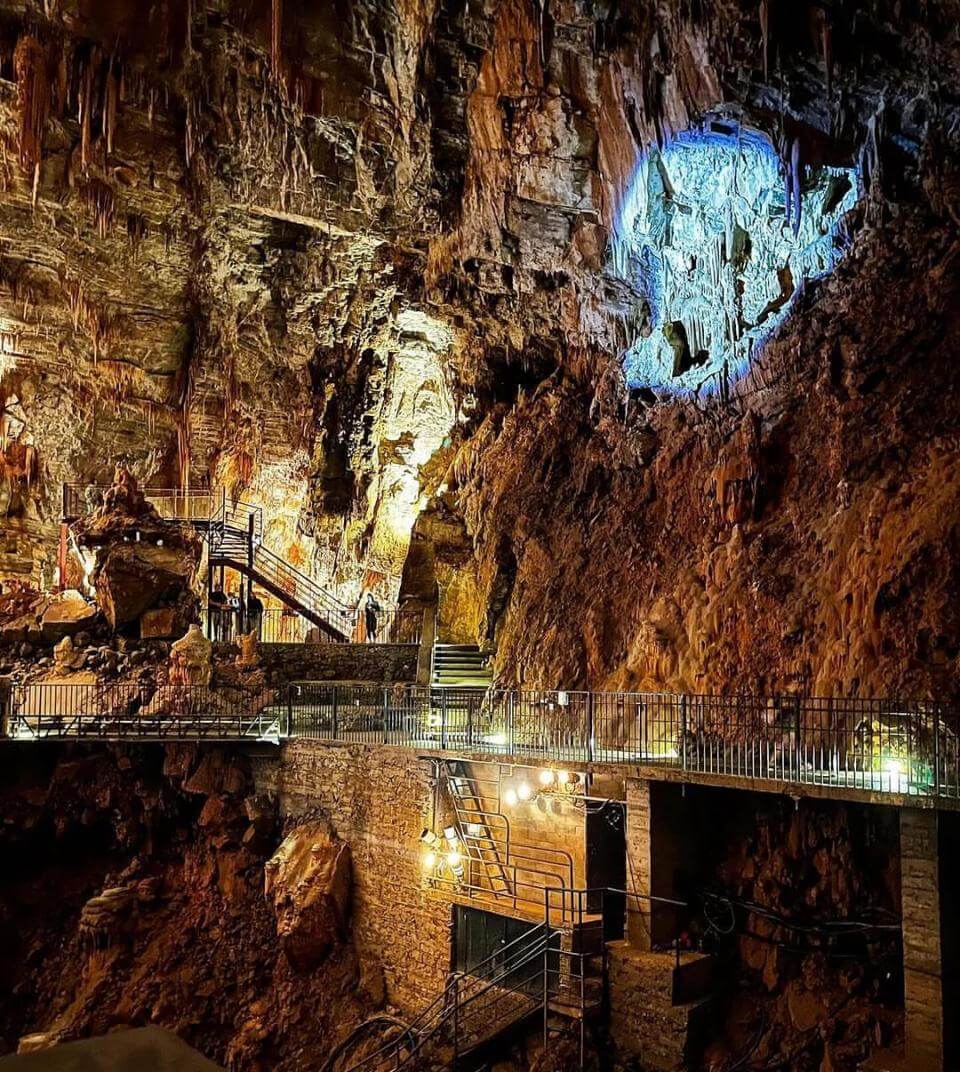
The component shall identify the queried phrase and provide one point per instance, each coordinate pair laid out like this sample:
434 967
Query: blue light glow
703 234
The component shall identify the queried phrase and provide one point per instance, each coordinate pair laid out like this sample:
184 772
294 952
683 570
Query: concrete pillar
639 862
923 989
655 846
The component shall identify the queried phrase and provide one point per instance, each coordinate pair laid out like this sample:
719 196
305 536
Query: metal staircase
472 1010
234 538
233 534
483 830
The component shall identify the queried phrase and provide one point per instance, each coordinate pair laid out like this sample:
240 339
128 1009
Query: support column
639 863
922 939
654 851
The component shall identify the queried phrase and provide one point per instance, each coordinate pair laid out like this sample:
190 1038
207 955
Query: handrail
878 746
523 950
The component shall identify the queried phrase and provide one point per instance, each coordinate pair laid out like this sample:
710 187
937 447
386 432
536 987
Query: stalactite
276 36
111 98
33 100
85 108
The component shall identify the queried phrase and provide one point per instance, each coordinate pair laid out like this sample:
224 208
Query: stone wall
922 959
333 662
378 799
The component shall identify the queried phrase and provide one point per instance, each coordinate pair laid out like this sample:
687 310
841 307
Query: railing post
590 726
546 962
443 720
469 720
334 728
386 715
456 1021
936 750
683 731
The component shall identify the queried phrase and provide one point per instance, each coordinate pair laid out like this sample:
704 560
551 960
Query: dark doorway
607 864
495 945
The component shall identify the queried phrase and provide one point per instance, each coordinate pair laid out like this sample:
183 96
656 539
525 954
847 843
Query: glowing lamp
455 863
547 778
429 838
430 861
564 777
524 792
510 797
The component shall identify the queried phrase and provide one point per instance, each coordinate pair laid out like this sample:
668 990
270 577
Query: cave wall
363 260
132 892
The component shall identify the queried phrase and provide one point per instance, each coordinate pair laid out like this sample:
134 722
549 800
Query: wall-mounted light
550 782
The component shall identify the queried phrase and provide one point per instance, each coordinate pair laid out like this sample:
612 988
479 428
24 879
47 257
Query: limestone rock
307 882
191 659
109 915
161 623
134 576
66 657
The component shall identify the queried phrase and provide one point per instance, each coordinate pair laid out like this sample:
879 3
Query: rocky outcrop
144 903
308 886
138 560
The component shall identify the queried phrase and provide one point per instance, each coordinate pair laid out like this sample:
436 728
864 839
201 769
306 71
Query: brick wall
378 799
332 662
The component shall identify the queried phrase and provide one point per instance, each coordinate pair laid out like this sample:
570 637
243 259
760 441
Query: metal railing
548 967
472 1008
178 504
122 711
881 746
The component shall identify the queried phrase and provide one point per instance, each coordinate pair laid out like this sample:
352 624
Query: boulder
307 882
161 623
134 576
138 560
65 616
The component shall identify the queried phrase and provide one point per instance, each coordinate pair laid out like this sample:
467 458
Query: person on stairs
254 616
217 609
371 611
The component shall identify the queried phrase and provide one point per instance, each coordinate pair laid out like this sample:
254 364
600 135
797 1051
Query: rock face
145 904
307 884
418 288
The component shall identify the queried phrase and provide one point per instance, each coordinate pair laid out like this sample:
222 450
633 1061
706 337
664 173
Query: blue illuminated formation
705 236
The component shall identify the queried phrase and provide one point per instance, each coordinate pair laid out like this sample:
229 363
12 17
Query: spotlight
430 861
563 777
450 833
524 792
429 838
546 778
510 797
455 863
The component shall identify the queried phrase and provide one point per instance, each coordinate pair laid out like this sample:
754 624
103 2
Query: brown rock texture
308 886
130 894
